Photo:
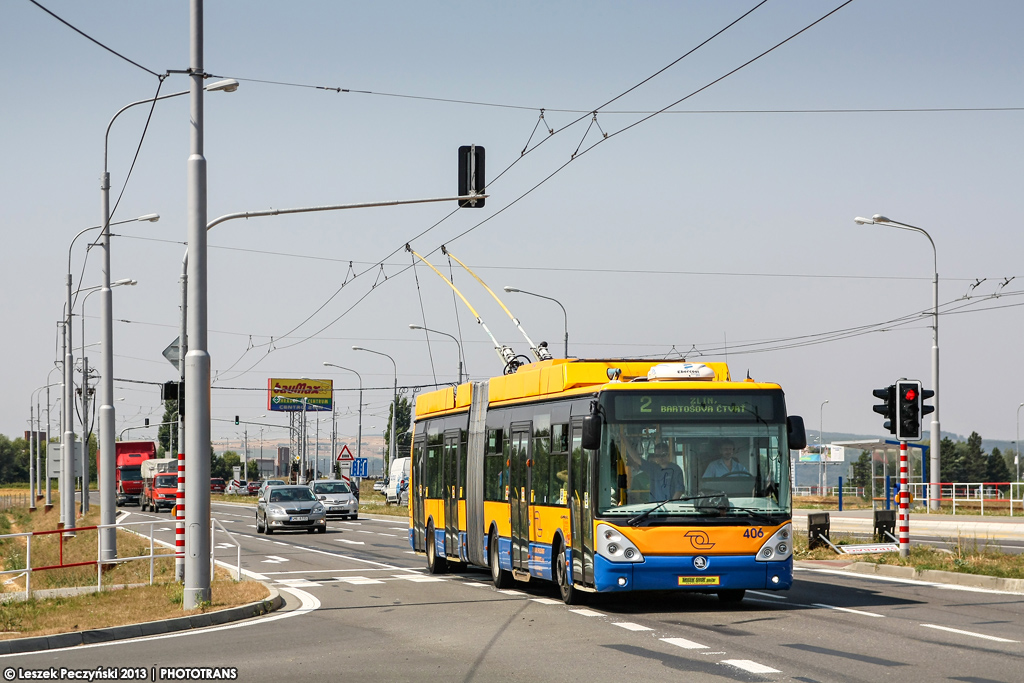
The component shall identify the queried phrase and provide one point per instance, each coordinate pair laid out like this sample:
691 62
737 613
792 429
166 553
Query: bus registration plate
699 581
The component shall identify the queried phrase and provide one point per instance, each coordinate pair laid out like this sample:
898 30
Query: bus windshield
668 456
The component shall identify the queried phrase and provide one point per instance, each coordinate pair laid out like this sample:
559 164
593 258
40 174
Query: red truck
128 469
159 484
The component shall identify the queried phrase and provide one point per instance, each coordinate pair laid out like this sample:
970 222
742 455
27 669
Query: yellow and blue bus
608 476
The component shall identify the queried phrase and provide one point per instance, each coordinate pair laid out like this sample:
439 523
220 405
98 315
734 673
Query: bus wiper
756 514
634 521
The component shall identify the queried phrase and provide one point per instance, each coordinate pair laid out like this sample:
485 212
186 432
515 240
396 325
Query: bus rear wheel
435 564
501 578
570 594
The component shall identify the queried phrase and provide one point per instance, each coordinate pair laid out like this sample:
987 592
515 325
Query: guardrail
28 569
997 494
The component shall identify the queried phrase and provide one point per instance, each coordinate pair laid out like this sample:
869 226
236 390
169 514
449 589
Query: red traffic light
910 395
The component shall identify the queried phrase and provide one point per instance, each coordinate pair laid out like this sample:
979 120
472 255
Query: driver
665 476
726 463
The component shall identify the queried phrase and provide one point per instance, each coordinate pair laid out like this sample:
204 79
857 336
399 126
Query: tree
164 435
860 472
952 461
403 438
13 460
975 462
997 469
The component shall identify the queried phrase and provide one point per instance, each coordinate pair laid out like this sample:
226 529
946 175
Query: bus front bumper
722 572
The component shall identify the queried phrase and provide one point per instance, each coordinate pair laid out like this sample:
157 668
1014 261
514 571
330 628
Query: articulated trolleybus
608 476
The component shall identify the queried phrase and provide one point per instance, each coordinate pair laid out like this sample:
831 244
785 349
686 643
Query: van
399 473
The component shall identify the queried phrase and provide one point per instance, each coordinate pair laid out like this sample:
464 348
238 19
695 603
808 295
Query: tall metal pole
66 485
84 504
394 408
1016 455
197 360
46 464
822 467
935 443
359 433
32 450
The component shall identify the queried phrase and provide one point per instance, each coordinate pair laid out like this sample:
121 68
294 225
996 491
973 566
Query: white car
336 497
237 487
270 482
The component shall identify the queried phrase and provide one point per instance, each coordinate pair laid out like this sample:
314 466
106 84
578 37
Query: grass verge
163 600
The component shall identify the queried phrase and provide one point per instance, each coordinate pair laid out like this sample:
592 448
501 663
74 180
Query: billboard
288 394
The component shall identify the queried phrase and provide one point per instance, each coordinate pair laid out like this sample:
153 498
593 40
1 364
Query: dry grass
117 608
967 556
110 608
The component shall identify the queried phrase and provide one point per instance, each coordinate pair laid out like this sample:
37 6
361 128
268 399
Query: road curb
929 575
150 628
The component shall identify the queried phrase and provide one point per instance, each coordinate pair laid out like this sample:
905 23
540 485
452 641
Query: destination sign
704 406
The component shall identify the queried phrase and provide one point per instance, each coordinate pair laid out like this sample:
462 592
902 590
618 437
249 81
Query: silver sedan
282 508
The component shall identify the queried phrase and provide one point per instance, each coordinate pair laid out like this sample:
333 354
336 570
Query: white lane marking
684 643
345 540
224 545
418 579
970 633
328 571
752 667
357 580
364 531
851 611
768 595
299 583
547 601
513 592
274 559
398 528
280 543
388 535
476 584
251 526
587 613
911 582
630 626
163 528
308 604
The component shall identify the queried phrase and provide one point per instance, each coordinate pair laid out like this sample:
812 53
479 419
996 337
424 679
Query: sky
721 229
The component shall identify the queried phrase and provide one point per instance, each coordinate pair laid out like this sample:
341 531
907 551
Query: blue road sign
359 467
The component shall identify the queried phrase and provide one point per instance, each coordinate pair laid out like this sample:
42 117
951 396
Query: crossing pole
904 507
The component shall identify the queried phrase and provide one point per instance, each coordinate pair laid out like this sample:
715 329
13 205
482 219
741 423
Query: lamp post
85 397
40 464
935 442
1016 455
359 432
564 315
394 407
821 445
457 343
66 481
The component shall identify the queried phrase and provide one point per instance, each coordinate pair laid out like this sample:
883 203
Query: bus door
519 494
580 508
450 496
416 491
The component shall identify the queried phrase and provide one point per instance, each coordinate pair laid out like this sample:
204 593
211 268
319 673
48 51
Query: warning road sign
345 454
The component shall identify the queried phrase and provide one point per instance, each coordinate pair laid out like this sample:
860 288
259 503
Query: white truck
159 484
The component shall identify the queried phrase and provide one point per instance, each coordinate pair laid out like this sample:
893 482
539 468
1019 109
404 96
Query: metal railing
28 569
998 494
14 500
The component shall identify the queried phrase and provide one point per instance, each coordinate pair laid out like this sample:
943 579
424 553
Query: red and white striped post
904 513
179 525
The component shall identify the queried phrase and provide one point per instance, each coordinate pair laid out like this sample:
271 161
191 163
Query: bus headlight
778 547
615 547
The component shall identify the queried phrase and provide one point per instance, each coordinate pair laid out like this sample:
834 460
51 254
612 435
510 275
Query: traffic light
471 175
888 409
236 419
908 403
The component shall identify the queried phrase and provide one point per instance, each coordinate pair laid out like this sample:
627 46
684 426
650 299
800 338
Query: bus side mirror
797 435
592 431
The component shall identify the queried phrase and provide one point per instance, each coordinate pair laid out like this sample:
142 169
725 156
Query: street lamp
394 405
1016 455
85 396
821 445
936 437
359 433
459 345
564 316
67 505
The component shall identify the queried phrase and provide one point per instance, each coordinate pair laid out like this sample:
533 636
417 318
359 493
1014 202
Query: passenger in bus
666 478
726 463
